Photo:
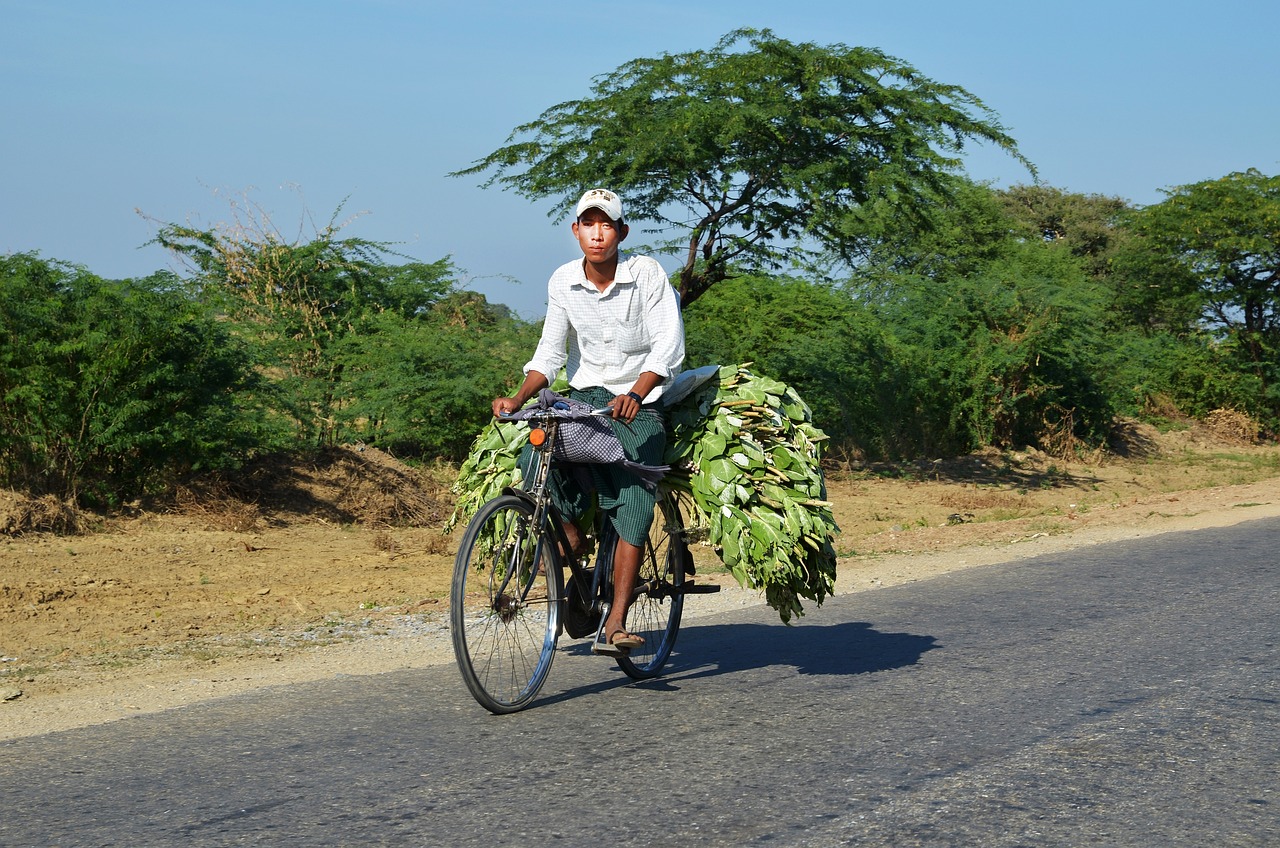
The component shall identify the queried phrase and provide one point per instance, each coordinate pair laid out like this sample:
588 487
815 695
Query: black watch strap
639 399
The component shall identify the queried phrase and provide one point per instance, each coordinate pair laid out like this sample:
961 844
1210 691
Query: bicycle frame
548 519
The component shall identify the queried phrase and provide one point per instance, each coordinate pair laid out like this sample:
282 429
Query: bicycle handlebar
564 413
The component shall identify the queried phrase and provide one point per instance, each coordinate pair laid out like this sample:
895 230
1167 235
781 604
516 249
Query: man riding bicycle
613 322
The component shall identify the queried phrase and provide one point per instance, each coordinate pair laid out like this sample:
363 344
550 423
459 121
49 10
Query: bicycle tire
655 614
504 606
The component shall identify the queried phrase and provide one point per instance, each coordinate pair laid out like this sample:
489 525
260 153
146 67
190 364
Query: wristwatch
639 399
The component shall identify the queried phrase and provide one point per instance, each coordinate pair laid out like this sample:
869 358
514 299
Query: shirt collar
621 276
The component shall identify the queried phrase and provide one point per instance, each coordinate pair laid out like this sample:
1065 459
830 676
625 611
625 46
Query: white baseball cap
602 199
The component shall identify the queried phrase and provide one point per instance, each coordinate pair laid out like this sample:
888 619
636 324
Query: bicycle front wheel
505 609
655 613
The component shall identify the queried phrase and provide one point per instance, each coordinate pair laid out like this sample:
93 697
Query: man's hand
533 382
625 408
504 406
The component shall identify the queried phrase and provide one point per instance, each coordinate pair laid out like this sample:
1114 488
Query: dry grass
1233 426
341 485
977 499
21 514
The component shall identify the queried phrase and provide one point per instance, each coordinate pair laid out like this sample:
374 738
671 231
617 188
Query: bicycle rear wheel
505 610
655 614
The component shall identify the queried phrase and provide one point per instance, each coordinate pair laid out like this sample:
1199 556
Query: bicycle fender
519 493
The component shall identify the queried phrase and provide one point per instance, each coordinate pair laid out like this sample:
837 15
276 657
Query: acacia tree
1086 225
1210 252
756 152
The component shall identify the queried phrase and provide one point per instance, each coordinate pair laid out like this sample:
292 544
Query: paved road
1125 694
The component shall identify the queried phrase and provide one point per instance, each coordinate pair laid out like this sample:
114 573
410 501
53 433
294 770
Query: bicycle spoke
504 613
655 612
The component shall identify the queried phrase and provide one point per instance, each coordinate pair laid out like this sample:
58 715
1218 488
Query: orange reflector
537 436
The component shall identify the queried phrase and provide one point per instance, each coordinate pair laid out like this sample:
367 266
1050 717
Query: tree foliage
1006 352
1086 225
109 389
813 337
754 151
1024 316
1154 375
1209 255
967 229
1004 356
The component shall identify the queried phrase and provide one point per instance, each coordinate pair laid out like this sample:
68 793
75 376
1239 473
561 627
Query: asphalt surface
1124 694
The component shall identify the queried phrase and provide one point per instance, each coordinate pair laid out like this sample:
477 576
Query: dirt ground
340 567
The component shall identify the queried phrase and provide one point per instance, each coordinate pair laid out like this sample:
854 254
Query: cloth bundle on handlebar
584 435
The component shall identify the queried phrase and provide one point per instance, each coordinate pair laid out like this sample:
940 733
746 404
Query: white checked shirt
608 338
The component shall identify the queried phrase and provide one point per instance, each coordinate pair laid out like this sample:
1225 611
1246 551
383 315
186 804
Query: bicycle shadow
710 650
848 648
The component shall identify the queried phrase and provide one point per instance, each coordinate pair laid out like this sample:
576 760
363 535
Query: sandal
618 643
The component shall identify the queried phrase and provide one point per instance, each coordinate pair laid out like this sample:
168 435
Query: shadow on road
849 648
707 651
710 650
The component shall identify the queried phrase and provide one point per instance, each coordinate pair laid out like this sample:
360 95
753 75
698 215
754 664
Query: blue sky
180 109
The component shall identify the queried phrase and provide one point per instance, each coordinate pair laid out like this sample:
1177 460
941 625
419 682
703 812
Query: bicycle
511 598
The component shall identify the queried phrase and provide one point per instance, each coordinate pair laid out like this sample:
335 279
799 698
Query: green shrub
109 388
1006 355
423 386
1146 372
815 338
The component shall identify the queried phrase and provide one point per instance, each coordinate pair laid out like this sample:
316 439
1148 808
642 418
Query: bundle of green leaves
492 466
746 468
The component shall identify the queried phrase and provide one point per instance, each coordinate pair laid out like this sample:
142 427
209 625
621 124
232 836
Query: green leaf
763 533
723 470
713 446
732 546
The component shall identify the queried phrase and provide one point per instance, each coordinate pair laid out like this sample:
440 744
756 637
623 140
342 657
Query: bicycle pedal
691 588
604 649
